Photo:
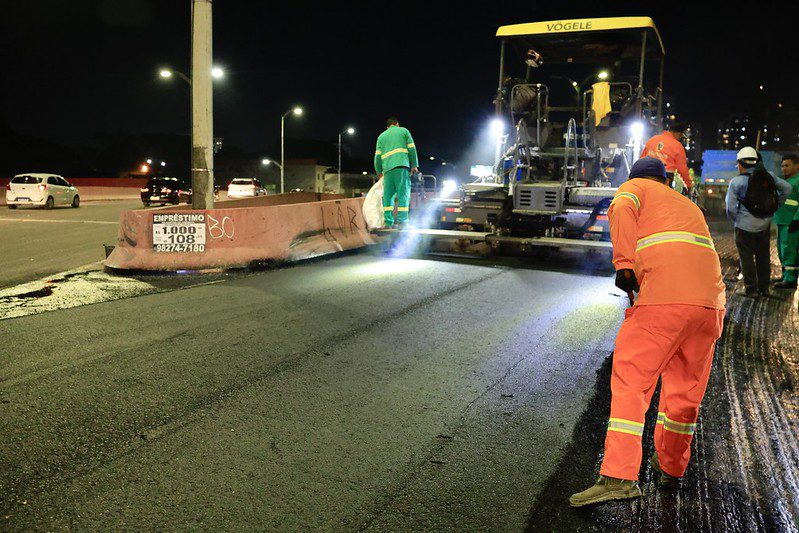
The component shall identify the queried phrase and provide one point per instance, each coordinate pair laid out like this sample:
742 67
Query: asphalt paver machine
575 101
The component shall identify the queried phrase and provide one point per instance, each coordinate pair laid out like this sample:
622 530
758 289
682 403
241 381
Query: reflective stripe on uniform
402 208
378 152
629 195
678 427
661 417
411 145
631 427
791 202
394 151
388 208
675 236
791 268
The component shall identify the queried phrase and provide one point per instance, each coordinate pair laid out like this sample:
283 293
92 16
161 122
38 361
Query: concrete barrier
272 228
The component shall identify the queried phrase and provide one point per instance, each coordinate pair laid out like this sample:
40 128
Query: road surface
37 242
353 393
366 393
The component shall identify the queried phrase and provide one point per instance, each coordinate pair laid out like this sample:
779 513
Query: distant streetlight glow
364 173
165 73
217 73
603 74
351 130
144 169
149 161
163 163
297 111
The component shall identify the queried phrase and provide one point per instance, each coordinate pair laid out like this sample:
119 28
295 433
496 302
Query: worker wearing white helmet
752 199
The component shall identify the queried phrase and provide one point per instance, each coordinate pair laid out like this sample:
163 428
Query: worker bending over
395 160
669 150
670 332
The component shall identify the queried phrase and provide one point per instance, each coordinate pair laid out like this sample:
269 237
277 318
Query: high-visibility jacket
671 153
664 238
395 148
789 211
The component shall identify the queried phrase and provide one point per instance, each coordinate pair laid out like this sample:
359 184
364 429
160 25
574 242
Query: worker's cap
648 167
747 155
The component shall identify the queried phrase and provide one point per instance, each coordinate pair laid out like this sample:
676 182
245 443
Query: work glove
625 280
793 227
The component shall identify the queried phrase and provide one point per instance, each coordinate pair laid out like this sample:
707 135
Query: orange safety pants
676 343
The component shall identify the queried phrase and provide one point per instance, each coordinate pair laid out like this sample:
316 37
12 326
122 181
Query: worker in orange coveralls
670 332
667 147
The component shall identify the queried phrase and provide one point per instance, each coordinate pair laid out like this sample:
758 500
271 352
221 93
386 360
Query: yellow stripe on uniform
678 427
675 236
629 195
411 145
394 151
661 418
378 152
402 208
631 427
388 208
791 202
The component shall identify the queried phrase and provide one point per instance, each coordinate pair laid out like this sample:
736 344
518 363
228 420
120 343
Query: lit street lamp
167 73
267 162
296 111
348 131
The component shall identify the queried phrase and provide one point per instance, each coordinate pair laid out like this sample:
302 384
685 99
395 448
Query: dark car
165 191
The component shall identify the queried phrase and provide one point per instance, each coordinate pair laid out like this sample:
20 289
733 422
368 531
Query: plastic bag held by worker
373 206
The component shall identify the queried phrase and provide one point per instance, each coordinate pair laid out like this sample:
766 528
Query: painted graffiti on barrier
219 229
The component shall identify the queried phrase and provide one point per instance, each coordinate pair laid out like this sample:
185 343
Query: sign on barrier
179 232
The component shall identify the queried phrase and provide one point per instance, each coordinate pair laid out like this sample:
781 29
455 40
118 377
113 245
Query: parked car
44 190
161 190
242 187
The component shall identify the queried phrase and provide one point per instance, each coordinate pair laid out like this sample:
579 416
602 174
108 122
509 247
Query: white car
241 187
45 190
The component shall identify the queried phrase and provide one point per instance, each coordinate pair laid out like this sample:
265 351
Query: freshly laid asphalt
368 393
356 393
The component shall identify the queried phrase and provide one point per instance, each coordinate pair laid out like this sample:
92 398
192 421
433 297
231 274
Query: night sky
74 69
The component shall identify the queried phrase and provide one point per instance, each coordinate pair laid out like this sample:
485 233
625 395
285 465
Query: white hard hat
747 154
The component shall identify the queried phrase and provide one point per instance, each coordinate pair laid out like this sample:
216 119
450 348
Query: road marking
57 220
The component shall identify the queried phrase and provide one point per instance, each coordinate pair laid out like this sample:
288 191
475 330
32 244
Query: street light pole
282 151
202 154
349 131
297 111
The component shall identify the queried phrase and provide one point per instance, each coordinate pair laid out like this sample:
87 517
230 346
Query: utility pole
202 113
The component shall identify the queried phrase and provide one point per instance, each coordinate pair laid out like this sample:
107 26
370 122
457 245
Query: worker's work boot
604 490
666 481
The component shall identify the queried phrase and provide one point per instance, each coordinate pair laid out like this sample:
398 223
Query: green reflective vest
395 148
789 211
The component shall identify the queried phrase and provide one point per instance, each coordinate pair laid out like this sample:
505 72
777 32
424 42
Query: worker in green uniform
395 160
787 220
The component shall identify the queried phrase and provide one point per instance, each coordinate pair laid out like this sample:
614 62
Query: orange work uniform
671 153
671 331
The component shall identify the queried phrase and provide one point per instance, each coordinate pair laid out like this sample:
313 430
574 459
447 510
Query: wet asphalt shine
744 470
368 393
